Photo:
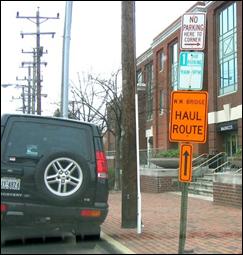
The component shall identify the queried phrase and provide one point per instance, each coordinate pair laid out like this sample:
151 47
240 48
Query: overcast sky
95 41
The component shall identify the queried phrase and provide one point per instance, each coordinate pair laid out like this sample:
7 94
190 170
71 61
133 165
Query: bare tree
98 101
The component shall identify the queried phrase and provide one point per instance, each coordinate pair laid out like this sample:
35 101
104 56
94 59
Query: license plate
10 183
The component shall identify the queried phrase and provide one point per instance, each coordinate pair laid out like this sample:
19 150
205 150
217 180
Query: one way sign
193 28
185 174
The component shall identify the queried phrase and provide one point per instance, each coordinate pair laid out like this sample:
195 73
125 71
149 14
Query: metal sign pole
139 216
183 219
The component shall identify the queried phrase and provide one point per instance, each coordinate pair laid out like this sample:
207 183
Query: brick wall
227 194
158 184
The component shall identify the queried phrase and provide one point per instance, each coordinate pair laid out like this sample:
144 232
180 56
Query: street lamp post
65 61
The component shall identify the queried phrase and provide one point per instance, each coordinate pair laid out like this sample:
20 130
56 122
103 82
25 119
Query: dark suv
54 177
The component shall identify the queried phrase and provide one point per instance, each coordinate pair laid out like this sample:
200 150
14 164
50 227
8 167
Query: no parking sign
193 30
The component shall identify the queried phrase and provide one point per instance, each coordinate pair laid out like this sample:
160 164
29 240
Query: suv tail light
101 165
90 213
3 208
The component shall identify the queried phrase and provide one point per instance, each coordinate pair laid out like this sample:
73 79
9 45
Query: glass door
231 144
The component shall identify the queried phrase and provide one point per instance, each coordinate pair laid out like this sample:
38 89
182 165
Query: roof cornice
146 55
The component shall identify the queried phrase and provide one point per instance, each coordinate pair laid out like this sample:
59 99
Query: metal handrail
200 156
225 163
205 162
240 169
197 158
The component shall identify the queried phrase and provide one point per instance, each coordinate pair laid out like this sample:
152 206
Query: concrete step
194 185
201 191
202 186
204 180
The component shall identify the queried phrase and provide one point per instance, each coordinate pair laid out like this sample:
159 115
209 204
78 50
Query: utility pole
33 65
31 95
29 85
29 89
39 50
34 82
23 98
23 95
129 169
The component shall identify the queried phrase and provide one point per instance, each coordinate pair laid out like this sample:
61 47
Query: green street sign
191 70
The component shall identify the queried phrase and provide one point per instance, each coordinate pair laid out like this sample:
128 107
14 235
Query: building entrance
231 143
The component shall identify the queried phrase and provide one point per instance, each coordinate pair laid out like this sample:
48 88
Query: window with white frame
174 65
161 60
161 102
149 92
139 77
228 50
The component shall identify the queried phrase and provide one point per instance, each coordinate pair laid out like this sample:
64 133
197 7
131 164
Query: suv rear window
36 139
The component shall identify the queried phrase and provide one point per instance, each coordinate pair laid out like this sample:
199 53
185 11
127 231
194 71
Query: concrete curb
122 249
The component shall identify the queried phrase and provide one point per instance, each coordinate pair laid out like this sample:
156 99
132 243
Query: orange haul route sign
185 174
188 116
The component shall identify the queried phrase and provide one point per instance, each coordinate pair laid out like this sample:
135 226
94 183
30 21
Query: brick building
158 69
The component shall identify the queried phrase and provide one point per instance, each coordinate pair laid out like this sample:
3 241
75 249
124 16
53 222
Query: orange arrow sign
185 174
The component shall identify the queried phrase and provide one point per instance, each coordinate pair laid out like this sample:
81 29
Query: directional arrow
197 44
185 169
186 154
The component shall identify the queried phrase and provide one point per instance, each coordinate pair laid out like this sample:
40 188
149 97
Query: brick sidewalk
211 229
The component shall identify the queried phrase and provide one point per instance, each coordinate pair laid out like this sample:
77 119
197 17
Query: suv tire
62 177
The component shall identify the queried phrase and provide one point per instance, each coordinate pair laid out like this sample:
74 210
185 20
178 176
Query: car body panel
41 138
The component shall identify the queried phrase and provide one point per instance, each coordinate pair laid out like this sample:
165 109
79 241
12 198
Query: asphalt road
58 246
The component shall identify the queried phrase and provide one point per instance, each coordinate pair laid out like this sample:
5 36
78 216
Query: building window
149 87
161 102
161 60
174 65
228 50
139 77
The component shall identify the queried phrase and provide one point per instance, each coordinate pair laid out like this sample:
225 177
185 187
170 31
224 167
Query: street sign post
188 116
191 70
193 29
189 110
185 166
185 176
183 218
